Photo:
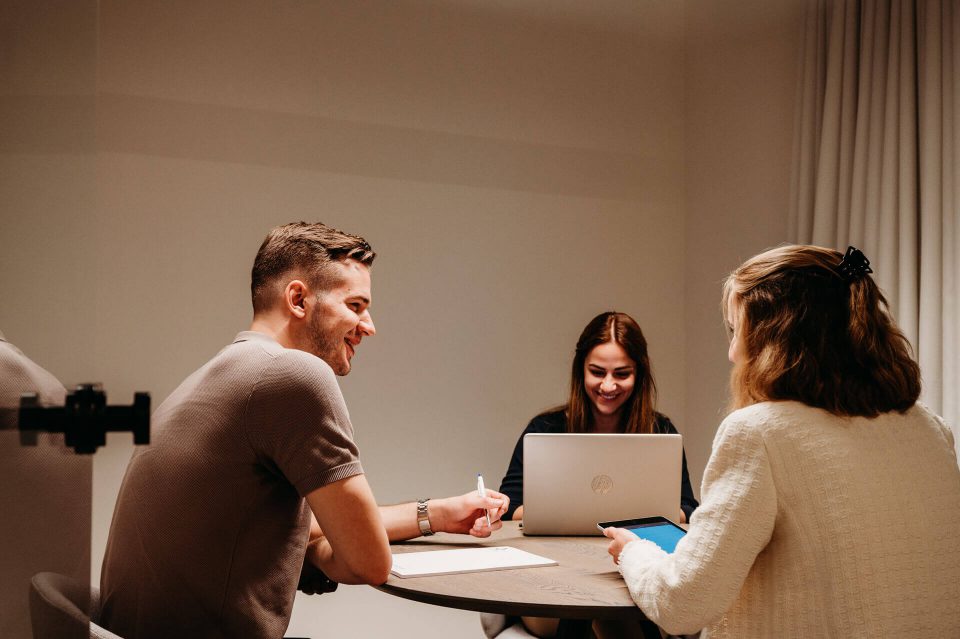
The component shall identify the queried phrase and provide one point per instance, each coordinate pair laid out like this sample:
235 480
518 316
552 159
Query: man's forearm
400 520
321 555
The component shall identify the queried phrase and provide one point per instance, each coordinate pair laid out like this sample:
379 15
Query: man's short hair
302 250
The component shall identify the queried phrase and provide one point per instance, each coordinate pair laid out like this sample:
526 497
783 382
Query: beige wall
518 167
740 81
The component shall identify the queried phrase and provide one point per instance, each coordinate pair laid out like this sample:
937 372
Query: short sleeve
512 483
297 422
688 502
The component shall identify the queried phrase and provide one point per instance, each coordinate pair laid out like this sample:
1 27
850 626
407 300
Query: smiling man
253 467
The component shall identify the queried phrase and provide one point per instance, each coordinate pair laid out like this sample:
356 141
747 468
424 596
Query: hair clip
854 265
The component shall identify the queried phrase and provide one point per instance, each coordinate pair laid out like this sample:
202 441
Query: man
253 455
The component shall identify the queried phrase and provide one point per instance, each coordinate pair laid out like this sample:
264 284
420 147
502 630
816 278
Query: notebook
572 480
450 562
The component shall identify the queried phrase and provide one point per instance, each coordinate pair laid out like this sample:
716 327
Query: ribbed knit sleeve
691 588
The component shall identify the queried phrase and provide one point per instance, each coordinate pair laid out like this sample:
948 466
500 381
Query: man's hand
314 581
465 514
619 537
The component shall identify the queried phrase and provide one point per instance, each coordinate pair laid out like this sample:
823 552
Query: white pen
483 493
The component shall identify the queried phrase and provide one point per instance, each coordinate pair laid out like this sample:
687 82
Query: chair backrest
63 608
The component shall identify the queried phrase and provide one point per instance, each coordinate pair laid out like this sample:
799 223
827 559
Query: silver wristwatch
422 520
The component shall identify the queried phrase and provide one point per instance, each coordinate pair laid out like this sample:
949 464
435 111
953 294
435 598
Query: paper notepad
450 562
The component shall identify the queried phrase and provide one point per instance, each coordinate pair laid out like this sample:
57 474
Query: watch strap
422 519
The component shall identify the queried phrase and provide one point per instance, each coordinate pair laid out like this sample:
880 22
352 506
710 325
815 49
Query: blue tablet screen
664 535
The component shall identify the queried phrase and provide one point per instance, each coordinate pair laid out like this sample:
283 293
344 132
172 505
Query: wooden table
585 584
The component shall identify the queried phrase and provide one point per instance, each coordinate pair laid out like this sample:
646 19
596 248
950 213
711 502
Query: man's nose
366 326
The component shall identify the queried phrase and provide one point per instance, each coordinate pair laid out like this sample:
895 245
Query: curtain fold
877 163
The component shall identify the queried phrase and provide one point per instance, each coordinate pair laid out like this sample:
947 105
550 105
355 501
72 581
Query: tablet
659 530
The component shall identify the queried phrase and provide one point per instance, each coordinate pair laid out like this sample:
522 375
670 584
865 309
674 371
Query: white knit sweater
814 525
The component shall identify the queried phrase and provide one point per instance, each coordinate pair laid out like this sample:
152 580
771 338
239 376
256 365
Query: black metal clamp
85 419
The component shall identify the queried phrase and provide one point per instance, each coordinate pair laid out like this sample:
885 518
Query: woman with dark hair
611 391
831 501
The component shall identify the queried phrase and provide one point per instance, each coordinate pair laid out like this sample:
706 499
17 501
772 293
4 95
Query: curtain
877 164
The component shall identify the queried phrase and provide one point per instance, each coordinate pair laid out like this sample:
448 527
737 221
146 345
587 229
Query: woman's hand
465 514
619 538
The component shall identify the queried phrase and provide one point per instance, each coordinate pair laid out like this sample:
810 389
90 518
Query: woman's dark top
556 422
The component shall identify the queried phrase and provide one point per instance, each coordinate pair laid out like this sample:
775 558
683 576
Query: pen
483 493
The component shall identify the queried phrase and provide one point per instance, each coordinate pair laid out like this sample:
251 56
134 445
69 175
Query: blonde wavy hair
811 335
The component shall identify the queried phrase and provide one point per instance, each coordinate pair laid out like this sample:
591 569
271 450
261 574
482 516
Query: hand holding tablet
659 530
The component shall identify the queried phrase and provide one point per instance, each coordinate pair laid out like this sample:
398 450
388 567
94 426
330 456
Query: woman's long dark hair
638 411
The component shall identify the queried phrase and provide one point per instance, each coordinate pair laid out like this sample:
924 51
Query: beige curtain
877 163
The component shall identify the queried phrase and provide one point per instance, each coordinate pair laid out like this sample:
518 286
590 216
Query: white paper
449 562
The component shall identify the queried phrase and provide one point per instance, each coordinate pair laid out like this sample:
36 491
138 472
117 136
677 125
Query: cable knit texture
814 525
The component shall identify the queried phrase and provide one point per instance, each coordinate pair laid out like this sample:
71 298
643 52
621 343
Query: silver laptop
571 481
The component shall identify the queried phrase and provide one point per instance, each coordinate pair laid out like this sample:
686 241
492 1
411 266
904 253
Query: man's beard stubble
327 347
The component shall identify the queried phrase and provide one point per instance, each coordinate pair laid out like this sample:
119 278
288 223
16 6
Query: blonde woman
831 501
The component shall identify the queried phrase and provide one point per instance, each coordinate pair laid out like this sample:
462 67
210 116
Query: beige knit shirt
814 525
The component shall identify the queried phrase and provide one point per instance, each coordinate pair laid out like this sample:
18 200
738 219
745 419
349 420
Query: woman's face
735 352
609 376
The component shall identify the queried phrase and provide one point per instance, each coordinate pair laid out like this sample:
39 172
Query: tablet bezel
642 521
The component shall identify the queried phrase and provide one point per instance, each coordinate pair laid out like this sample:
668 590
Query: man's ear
295 298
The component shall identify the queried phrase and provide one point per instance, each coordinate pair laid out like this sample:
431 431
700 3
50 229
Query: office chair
63 608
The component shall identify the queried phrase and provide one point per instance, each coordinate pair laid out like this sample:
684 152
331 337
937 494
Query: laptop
571 481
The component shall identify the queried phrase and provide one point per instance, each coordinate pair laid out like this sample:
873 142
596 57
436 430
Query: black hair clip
854 265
